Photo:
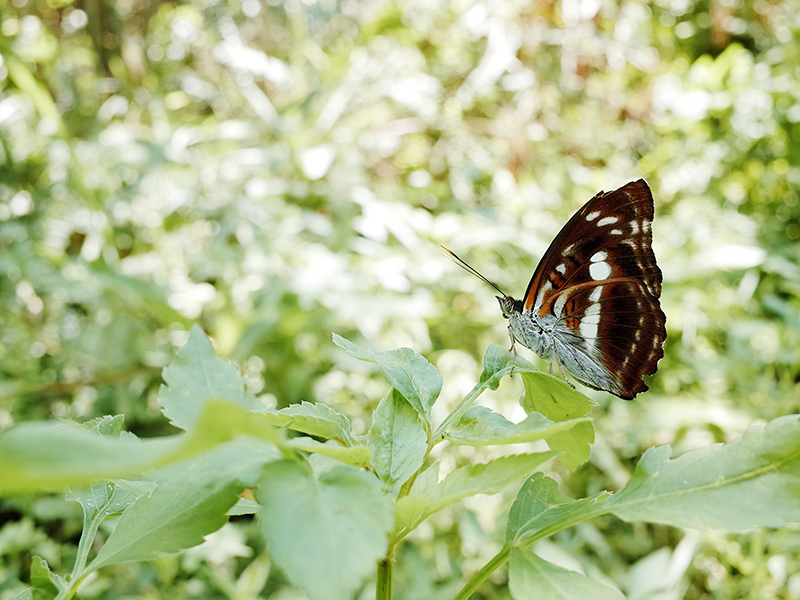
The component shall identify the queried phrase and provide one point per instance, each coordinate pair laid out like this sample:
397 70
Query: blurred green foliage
277 171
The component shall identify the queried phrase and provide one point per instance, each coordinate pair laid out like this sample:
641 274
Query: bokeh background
277 171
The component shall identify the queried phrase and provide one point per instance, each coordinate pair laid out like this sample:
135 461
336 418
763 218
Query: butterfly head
509 306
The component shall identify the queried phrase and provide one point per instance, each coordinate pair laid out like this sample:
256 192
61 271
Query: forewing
610 237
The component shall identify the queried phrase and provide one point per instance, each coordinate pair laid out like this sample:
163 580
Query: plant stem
90 527
383 585
502 557
490 567
457 413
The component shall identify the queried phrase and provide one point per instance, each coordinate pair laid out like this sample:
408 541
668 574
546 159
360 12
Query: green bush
332 505
275 172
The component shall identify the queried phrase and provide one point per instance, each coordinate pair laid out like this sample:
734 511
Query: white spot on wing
616 232
540 296
593 310
558 305
599 256
589 325
593 215
607 221
599 270
562 268
634 227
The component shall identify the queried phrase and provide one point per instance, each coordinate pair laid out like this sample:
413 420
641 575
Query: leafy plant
334 506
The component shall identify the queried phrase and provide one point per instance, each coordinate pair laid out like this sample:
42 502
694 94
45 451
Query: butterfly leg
563 373
512 349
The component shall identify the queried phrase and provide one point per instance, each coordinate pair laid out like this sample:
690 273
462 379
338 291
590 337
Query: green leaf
556 400
397 440
240 459
135 487
553 397
243 506
174 517
532 577
486 478
539 504
190 501
221 422
48 455
44 584
36 91
753 481
427 496
100 500
313 419
109 426
408 372
52 456
497 363
328 533
358 456
197 375
480 426
412 509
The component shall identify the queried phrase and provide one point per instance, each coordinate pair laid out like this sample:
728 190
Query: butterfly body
592 304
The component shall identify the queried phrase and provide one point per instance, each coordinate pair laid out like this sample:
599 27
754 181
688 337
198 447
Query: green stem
502 557
70 591
456 414
84 547
383 585
91 523
437 437
490 567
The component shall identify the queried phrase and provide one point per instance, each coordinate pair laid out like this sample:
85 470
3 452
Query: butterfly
592 305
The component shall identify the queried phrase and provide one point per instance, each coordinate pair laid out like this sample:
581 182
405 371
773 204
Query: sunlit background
278 171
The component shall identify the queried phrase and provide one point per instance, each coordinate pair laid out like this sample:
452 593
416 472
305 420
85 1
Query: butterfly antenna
466 267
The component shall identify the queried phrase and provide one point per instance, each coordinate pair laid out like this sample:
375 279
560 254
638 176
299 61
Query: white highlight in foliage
316 161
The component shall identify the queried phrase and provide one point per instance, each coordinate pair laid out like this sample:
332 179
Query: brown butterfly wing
600 279
619 325
617 223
